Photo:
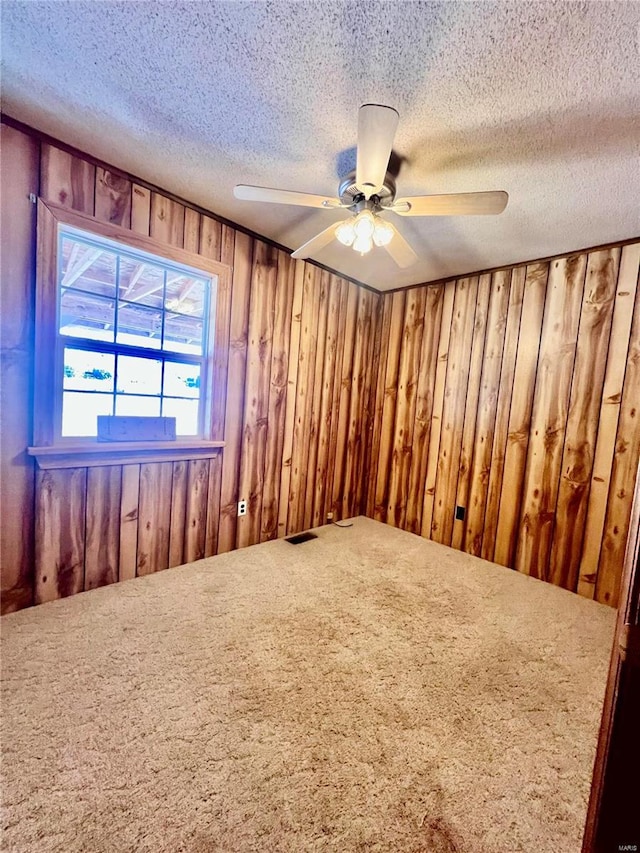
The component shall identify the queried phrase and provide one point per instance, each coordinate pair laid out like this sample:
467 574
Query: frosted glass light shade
345 233
362 244
364 224
383 233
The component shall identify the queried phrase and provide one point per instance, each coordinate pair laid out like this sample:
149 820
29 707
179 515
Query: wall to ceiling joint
512 394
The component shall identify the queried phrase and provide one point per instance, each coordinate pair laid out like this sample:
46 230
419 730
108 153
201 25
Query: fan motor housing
350 195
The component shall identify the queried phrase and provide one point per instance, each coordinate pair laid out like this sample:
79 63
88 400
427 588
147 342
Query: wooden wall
513 394
296 375
516 395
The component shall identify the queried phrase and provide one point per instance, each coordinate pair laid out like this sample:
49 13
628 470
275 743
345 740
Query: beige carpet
366 691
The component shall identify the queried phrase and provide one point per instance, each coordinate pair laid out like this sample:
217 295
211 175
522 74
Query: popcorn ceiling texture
537 98
365 691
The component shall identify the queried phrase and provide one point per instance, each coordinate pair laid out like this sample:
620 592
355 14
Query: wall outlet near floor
242 507
329 517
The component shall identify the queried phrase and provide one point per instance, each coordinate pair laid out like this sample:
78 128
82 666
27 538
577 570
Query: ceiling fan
370 191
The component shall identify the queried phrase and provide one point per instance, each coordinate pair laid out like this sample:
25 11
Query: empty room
320 431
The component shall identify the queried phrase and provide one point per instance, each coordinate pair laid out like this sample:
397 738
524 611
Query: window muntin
133 334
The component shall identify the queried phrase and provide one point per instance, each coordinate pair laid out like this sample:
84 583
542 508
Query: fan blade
376 130
400 250
316 243
454 204
247 193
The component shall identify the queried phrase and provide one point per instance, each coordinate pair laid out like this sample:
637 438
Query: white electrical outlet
242 507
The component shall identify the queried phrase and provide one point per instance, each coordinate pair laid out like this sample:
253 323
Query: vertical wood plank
424 406
500 282
19 176
178 513
254 430
314 383
67 180
346 373
154 513
222 334
191 230
513 421
306 349
453 410
626 290
195 528
390 371
582 423
333 465
438 408
326 380
213 505
291 397
383 335
408 372
371 364
113 198
211 238
102 540
140 210
129 522
357 414
234 410
167 220
478 482
623 474
277 396
550 410
60 532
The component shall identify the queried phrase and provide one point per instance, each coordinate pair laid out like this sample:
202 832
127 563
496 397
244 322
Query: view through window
133 329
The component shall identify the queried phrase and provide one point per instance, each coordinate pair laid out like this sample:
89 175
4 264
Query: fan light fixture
371 189
363 231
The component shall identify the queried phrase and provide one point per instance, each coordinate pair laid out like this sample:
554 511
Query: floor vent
300 537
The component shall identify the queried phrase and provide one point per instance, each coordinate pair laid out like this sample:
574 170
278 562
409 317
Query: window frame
47 405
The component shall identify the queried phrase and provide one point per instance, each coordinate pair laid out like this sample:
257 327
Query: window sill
90 454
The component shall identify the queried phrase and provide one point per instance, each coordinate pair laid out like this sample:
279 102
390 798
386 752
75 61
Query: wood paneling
530 419
513 394
113 198
60 533
102 534
19 176
292 376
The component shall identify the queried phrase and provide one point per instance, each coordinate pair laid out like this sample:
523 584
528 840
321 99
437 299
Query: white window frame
49 444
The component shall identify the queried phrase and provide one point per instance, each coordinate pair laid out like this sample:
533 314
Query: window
133 331
125 326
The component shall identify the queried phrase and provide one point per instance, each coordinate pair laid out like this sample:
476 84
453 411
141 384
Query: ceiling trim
41 136
586 250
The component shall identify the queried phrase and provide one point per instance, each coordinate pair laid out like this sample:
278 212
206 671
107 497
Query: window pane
185 412
139 375
183 334
141 282
88 371
80 411
185 294
139 326
127 404
181 380
86 316
87 267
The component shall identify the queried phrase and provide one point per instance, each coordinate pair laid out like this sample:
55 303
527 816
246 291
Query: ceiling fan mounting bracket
350 195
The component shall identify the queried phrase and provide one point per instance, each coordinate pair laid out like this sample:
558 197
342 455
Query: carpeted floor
366 691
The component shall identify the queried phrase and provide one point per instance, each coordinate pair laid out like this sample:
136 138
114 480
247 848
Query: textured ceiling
539 99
